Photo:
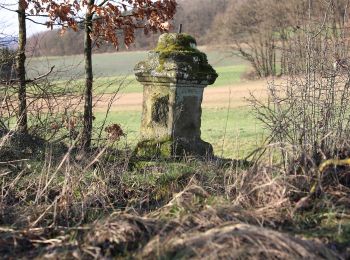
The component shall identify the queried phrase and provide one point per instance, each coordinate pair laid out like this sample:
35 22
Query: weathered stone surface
174 77
176 60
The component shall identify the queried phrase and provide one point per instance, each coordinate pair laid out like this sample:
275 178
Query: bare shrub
308 114
7 74
7 65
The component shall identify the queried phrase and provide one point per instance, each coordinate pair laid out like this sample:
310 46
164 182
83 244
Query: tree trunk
283 55
22 120
87 128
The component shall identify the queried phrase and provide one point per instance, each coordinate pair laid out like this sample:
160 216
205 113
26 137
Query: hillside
8 42
196 16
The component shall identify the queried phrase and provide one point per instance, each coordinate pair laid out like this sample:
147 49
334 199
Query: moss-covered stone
176 58
156 115
174 77
171 42
172 148
180 48
152 149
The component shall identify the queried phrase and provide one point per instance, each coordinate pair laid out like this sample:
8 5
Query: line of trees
196 16
268 33
103 21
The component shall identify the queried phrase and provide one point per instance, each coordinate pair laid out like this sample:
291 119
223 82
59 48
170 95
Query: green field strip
233 134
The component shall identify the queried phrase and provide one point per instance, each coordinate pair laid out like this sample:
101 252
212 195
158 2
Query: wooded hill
197 17
270 34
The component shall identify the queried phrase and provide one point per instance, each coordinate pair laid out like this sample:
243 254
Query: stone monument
173 77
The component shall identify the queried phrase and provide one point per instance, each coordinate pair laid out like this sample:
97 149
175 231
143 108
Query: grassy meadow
114 70
113 64
233 133
228 75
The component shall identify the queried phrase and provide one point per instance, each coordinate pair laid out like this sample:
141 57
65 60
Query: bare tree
21 71
268 33
249 26
102 22
308 114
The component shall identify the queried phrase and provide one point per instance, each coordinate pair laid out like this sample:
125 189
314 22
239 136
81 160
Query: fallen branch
9 82
41 76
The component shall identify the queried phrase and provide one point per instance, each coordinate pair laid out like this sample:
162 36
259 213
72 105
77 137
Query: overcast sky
9 23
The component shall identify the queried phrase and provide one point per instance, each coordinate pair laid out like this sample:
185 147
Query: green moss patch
182 48
154 149
171 42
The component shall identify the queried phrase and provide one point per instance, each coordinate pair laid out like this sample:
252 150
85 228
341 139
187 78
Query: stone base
168 148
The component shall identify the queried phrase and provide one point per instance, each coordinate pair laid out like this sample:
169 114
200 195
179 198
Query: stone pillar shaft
174 77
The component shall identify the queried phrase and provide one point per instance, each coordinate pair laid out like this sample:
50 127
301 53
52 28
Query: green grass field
233 134
114 70
111 64
228 75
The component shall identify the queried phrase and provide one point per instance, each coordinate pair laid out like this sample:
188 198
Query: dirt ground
214 97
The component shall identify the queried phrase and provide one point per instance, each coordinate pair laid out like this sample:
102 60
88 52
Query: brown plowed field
213 97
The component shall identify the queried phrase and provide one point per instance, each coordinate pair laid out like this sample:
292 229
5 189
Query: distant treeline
197 17
270 34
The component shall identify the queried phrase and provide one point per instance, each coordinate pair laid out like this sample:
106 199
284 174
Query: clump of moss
182 44
170 42
154 148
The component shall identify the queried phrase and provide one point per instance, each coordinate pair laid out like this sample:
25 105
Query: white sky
9 23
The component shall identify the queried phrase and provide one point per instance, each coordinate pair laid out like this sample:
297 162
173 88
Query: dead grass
236 241
93 206
188 227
